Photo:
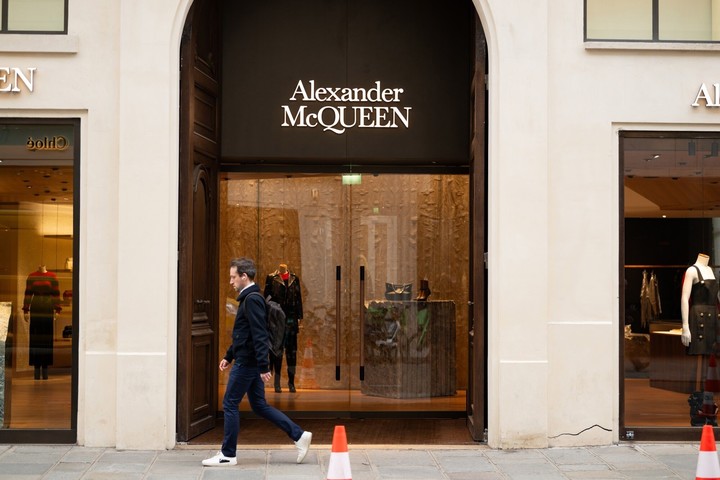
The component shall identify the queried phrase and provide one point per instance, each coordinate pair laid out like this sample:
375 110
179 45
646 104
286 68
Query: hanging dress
42 300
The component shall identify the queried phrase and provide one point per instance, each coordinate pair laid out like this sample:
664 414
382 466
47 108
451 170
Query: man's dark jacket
250 336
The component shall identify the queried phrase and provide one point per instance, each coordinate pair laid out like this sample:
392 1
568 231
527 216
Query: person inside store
248 354
698 307
40 306
283 286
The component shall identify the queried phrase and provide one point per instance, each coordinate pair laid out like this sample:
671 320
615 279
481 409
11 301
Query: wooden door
477 345
198 222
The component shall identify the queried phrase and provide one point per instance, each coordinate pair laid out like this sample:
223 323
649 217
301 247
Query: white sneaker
219 460
303 445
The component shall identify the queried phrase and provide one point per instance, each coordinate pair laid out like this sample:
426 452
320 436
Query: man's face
238 281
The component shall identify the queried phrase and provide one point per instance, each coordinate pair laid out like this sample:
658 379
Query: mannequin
699 311
698 301
40 305
284 287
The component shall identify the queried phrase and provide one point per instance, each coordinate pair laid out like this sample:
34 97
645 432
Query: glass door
382 262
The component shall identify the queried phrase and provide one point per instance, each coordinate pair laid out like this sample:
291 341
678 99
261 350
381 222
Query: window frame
630 431
655 30
4 5
61 435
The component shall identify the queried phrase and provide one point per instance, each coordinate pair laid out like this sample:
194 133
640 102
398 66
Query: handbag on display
398 291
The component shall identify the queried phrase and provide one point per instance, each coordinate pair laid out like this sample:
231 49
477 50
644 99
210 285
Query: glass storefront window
345 240
671 216
37 275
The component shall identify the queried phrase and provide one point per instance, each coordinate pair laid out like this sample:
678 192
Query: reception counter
409 349
671 368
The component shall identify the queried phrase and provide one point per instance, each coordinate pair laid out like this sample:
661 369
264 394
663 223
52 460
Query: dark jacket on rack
250 335
287 293
650 308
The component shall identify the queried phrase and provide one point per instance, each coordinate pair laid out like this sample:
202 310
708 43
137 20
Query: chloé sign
11 79
336 109
56 143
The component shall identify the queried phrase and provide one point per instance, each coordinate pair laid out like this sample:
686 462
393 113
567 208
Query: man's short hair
244 265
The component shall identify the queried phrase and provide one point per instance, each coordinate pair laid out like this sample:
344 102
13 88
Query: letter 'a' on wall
345 84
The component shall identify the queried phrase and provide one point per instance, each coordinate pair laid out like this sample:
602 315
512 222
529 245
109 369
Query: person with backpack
251 370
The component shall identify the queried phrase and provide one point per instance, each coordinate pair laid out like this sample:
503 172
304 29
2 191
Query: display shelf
409 349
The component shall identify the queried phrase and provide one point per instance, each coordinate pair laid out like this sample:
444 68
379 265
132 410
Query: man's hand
224 364
265 377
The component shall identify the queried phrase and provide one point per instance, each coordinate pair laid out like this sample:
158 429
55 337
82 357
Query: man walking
249 350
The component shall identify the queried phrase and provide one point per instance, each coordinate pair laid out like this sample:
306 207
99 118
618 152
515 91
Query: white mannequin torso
702 263
691 278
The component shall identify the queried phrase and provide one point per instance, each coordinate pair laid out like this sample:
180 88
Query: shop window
653 20
34 16
38 281
378 262
671 205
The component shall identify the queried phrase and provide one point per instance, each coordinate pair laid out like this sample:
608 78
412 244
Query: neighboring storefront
534 178
38 394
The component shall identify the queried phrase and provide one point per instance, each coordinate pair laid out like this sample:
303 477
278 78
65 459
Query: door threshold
259 433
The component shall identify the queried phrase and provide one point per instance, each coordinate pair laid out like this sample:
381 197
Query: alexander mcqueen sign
11 78
337 109
710 95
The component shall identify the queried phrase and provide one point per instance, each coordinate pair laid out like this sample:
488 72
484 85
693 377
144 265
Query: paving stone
571 456
82 455
394 458
626 462
457 463
233 473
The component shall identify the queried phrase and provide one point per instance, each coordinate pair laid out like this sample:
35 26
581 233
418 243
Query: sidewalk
625 461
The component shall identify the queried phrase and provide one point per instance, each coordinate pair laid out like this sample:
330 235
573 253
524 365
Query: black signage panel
355 81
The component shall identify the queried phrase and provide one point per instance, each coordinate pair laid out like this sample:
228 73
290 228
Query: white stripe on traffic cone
339 466
708 467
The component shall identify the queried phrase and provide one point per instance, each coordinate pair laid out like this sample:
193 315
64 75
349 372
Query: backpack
276 322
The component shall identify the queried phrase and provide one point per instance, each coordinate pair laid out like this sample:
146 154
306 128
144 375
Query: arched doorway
285 194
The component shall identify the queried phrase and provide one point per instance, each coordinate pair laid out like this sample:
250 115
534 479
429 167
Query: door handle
362 323
337 321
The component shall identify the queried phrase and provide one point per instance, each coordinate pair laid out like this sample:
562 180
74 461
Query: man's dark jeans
247 380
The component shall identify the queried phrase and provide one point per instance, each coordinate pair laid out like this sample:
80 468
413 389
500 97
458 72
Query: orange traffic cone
339 466
308 367
712 383
708 467
709 408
